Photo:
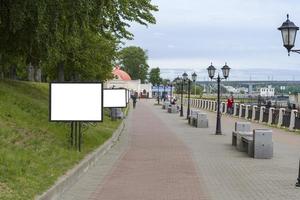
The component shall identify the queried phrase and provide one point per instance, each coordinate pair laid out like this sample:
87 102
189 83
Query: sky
191 34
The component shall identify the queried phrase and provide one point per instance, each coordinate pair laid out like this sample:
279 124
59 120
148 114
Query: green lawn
33 151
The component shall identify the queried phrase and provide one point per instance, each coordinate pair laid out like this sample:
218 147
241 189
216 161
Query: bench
240 129
257 144
172 108
247 143
198 119
193 117
165 105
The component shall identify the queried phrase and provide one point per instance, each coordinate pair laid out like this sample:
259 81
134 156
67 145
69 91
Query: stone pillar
253 113
235 105
247 111
241 110
261 114
280 117
293 119
213 107
221 107
225 107
271 111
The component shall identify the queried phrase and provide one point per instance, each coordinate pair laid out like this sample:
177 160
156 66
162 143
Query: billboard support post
76 135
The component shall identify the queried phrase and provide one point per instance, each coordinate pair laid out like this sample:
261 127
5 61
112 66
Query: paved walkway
160 156
156 165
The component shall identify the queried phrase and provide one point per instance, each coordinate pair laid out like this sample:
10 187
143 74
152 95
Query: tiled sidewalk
229 174
161 157
155 165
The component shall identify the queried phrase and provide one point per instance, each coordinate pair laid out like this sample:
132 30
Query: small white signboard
81 102
114 98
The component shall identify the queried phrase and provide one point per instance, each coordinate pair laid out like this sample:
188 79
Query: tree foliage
78 37
154 76
134 61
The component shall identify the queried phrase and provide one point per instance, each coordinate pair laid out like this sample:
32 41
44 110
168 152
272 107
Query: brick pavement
161 157
229 174
155 166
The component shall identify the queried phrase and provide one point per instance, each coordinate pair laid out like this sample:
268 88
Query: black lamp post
186 79
171 92
211 73
180 82
194 78
158 85
289 31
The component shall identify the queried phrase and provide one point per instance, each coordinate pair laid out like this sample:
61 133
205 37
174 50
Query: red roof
121 74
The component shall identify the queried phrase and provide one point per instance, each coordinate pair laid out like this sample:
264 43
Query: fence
279 117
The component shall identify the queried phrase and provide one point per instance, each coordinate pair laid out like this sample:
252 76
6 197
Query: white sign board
114 98
76 102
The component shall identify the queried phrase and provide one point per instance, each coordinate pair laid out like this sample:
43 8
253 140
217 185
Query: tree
67 39
134 61
154 76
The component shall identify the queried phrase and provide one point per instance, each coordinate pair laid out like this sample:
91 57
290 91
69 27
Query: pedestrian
230 102
134 98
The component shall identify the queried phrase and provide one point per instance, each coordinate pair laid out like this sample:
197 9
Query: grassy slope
34 152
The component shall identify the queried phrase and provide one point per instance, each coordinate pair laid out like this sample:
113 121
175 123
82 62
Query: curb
73 175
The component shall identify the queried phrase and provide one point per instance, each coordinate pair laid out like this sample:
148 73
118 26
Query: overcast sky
192 33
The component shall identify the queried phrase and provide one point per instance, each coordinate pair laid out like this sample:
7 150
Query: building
267 91
123 80
162 91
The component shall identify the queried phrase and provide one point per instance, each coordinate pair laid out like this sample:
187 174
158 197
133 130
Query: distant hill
34 152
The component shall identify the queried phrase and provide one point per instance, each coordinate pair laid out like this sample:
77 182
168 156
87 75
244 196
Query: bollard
235 109
241 110
225 107
271 111
280 117
253 113
247 111
293 118
261 114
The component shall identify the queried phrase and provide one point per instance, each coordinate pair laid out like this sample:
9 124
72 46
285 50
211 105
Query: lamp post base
298 179
218 133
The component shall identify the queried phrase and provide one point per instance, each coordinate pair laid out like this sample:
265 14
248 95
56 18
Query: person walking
134 99
230 102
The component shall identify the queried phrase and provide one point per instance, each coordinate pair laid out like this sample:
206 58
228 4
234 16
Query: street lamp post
289 32
158 85
186 79
194 77
171 92
180 82
211 73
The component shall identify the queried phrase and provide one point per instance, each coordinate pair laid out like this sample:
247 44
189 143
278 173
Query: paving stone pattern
161 157
229 174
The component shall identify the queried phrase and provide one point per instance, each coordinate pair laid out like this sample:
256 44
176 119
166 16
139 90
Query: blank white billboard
76 102
114 98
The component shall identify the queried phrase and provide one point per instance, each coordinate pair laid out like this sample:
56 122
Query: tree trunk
30 70
1 68
38 74
61 72
13 72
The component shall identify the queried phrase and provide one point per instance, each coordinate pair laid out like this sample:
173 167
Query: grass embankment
33 151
